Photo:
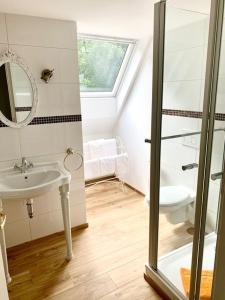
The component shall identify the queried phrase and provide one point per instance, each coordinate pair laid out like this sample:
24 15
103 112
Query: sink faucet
25 165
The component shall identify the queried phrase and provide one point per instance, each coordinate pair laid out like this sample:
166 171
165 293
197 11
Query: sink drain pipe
30 208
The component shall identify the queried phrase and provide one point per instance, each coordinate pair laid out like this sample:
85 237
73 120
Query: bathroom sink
36 181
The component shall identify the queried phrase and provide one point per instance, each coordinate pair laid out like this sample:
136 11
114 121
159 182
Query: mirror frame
10 56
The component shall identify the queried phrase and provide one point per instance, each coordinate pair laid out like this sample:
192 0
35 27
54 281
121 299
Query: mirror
18 93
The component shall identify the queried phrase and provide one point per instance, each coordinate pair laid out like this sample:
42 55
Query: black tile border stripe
52 120
25 108
190 114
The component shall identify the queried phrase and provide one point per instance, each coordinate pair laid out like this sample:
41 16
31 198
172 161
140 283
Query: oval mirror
18 93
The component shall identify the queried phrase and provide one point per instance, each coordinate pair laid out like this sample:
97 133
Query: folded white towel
121 165
92 169
109 147
108 165
87 154
96 149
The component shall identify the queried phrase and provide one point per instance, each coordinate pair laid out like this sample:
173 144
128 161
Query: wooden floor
109 255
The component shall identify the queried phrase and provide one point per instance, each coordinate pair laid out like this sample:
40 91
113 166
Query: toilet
176 202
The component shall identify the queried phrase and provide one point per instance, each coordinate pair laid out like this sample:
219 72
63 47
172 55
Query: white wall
133 125
99 115
44 43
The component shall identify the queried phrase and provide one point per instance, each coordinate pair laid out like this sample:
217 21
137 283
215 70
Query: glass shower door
185 49
187 135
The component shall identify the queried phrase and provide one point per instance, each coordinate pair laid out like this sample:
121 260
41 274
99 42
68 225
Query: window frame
131 45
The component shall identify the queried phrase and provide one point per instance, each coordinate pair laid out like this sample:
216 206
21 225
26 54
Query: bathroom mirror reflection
16 95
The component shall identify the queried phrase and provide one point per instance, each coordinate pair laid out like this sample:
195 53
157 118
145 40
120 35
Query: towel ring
71 151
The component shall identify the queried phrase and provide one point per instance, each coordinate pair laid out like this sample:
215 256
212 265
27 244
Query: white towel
87 154
108 165
92 169
121 164
109 147
96 149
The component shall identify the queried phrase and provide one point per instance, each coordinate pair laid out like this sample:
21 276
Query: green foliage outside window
100 62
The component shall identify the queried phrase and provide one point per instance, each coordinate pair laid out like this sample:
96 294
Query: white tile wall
3 32
48 32
17 232
50 100
63 61
10 144
182 95
52 46
43 139
46 224
185 65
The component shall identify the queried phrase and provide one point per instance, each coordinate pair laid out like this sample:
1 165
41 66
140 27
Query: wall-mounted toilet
176 203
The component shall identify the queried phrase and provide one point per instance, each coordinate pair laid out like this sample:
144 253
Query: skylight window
102 64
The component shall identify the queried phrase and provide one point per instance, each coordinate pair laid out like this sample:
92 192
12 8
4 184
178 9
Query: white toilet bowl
175 203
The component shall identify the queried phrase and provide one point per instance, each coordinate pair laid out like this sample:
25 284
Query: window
102 63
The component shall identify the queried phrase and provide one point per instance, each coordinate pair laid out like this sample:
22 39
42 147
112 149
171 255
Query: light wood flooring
109 255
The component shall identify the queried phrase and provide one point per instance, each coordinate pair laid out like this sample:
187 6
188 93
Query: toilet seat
175 196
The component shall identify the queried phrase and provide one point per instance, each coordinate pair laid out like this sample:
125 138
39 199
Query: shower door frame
152 274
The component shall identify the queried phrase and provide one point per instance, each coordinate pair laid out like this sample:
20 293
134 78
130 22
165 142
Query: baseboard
96 180
99 179
134 189
47 237
79 227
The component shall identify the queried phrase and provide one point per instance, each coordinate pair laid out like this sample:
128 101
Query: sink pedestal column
3 248
64 193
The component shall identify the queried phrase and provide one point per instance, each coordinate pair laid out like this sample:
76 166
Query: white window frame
120 76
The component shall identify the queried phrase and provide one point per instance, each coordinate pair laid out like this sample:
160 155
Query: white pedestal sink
36 181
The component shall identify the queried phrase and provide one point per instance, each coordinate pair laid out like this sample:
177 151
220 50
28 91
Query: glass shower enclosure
186 248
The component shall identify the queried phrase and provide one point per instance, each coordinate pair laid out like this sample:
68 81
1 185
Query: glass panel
186 38
100 62
215 182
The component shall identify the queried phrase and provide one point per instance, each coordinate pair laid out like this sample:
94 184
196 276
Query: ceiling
117 18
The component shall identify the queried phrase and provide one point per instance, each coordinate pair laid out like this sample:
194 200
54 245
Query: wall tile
182 95
68 66
46 224
63 61
48 32
10 144
70 99
49 100
58 99
77 197
78 214
73 136
47 203
182 36
179 65
15 210
176 125
3 32
43 139
17 233
175 176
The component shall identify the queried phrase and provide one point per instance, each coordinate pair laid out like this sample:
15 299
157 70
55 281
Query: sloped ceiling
119 18
122 18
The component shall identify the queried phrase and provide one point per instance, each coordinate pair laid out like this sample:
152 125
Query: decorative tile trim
25 108
190 114
52 120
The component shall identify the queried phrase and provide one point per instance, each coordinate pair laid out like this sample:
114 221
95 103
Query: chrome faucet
25 165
